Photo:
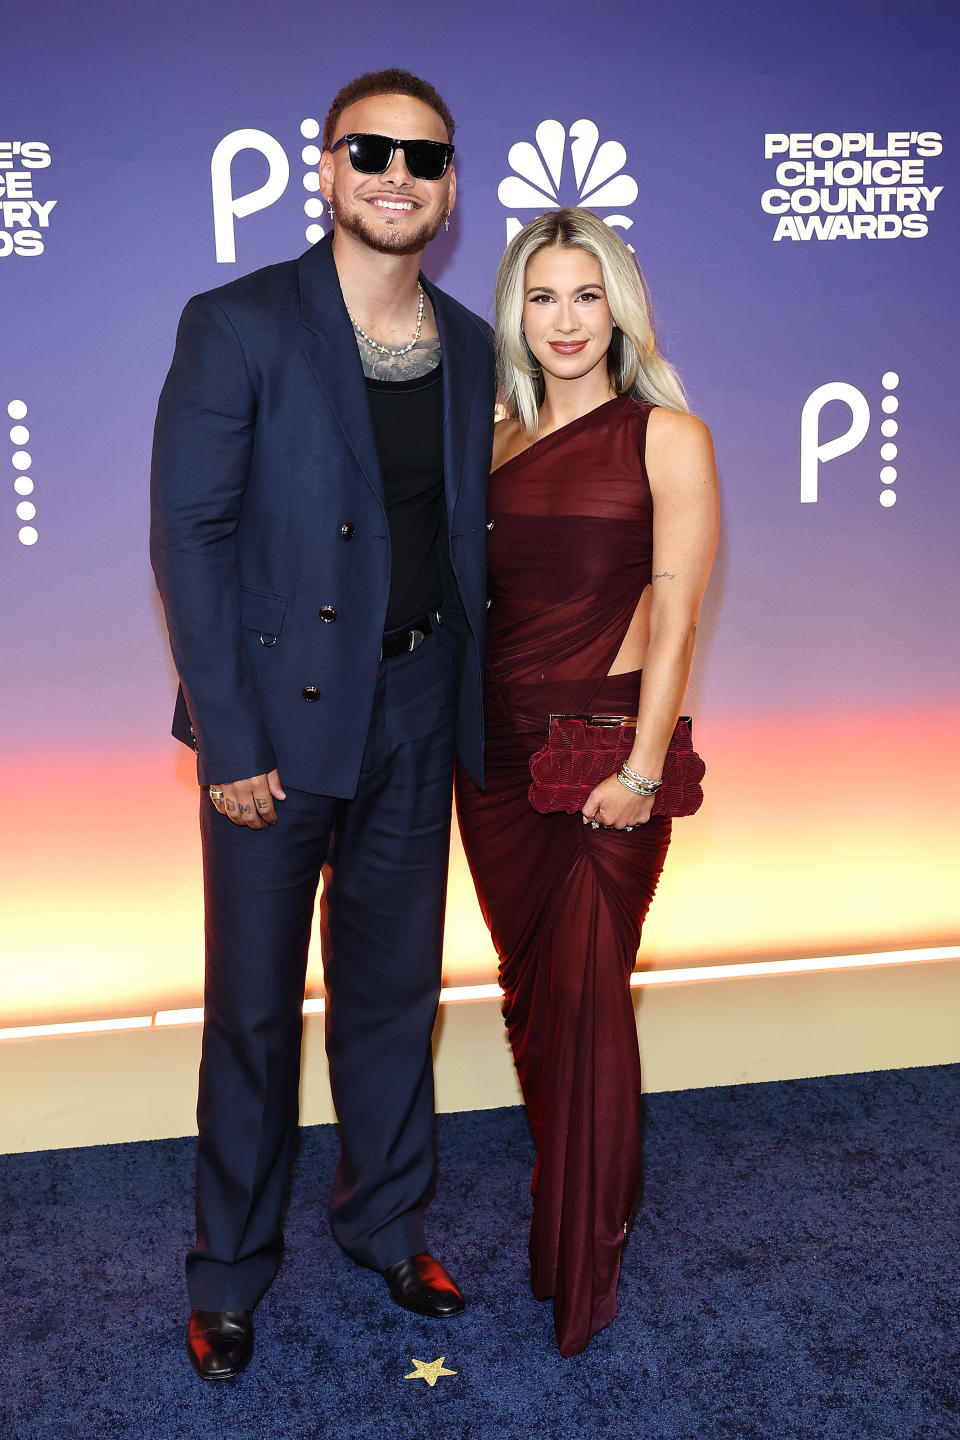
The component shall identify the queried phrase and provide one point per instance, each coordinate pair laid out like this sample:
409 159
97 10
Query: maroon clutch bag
582 750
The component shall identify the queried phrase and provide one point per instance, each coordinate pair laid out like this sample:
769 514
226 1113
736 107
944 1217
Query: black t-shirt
407 420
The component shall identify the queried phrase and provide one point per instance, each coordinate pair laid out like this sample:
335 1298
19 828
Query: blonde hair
635 365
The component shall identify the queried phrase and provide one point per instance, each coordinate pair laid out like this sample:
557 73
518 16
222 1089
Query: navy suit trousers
383 856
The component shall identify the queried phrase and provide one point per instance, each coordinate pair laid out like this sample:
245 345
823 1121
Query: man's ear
327 171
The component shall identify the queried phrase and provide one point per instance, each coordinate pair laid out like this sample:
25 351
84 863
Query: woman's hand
616 807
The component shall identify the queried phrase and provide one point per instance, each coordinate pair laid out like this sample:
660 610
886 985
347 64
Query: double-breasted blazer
269 535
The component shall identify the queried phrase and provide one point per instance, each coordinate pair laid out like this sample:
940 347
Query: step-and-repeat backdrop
789 183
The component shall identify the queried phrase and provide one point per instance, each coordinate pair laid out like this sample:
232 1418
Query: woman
603 517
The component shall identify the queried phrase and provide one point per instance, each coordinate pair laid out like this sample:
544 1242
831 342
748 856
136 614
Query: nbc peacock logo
567 167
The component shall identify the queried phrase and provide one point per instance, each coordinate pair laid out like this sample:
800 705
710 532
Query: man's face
392 213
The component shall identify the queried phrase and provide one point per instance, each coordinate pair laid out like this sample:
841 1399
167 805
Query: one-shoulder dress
570 554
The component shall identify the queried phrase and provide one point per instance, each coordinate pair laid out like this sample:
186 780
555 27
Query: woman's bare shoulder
679 449
668 428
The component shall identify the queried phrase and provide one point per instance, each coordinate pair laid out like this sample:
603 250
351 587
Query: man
319 470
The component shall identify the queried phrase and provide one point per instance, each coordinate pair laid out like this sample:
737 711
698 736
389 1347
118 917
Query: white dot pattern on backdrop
21 460
888 428
310 155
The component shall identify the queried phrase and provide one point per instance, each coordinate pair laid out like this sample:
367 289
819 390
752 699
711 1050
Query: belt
401 642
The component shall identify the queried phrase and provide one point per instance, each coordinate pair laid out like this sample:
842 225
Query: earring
330 207
446 221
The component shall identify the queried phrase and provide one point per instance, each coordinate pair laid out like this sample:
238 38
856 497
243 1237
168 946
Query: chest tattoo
424 357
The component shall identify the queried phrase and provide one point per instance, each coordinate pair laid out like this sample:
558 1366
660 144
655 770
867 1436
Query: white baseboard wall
107 1087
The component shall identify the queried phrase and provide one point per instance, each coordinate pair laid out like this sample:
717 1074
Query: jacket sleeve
201 457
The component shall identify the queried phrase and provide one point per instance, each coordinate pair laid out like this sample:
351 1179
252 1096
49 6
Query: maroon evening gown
570 556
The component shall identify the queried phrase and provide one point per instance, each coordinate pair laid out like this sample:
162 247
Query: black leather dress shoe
421 1284
219 1342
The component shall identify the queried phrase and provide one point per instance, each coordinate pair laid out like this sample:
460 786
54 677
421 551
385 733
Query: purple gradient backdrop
836 606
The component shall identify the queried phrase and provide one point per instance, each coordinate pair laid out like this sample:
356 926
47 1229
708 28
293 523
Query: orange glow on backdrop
807 844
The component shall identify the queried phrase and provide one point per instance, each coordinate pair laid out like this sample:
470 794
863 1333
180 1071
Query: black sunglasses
372 154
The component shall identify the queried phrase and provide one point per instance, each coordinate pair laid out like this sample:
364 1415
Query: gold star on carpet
430 1372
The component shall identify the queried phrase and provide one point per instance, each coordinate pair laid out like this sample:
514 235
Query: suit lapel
330 347
458 392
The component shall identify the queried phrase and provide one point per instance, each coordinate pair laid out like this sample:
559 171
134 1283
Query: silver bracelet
640 779
639 784
628 784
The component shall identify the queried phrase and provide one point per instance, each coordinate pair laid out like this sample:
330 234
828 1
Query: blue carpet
793 1273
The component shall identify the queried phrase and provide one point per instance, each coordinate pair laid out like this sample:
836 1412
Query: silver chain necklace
386 349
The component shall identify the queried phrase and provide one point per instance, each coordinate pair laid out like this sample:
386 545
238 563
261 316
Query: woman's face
566 318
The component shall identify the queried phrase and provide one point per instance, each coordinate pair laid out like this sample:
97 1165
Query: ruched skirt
565 905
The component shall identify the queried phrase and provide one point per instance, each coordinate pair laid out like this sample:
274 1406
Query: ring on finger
216 794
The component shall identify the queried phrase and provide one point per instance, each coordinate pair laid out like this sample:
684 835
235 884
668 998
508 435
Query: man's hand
249 802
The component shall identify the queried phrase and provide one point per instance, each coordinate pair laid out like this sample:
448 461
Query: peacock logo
567 167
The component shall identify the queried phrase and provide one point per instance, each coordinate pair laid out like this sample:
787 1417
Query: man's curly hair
385 82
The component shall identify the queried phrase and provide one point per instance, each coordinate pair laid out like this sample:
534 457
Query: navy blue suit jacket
263 452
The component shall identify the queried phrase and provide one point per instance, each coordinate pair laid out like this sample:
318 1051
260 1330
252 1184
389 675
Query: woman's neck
566 400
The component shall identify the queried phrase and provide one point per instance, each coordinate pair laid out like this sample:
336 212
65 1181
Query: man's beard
389 242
